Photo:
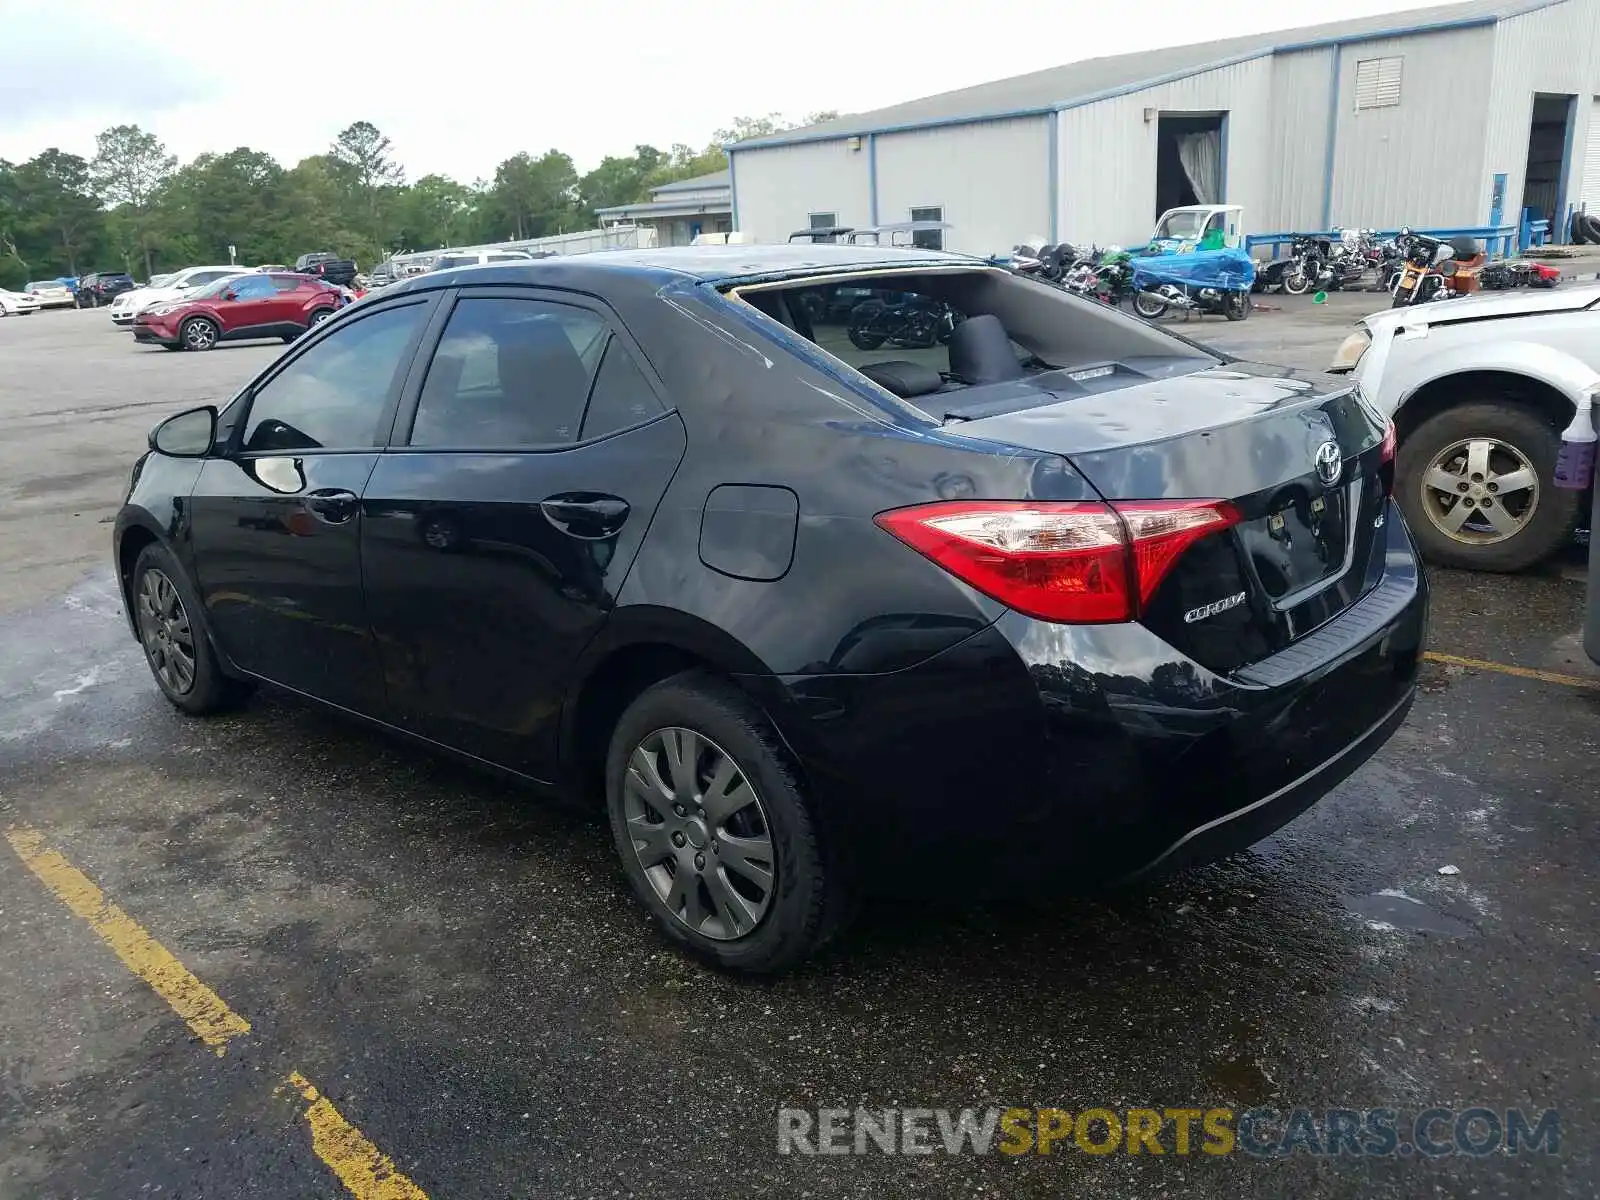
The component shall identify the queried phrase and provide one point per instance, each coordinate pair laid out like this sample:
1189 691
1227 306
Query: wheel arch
639 648
131 542
1546 380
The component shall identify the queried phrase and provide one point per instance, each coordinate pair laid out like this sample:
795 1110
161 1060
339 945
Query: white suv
171 287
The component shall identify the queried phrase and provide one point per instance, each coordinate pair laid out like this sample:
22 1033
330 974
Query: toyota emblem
1330 463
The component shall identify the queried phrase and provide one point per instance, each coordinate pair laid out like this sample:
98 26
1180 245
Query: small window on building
928 239
823 220
1378 83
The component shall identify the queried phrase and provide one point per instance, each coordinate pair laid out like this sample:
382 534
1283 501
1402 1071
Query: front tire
176 646
199 333
714 831
1296 282
1236 306
1476 485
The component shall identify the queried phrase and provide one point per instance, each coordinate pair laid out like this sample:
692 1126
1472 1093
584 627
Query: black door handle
587 515
332 505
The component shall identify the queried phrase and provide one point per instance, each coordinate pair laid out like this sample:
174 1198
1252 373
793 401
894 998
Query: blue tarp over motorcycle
1231 270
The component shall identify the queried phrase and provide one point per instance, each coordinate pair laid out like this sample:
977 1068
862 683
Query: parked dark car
102 287
239 308
1067 599
330 267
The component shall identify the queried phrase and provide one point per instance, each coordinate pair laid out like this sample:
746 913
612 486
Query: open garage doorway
1189 159
1549 148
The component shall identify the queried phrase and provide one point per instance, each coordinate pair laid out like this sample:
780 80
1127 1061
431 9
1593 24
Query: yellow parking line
204 1011
366 1172
1480 664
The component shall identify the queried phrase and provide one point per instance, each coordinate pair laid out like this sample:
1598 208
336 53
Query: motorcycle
1293 274
1432 269
1153 302
914 323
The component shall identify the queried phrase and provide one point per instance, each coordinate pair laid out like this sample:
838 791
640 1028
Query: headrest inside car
981 352
903 378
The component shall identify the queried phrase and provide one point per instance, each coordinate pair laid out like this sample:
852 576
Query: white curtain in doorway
1201 155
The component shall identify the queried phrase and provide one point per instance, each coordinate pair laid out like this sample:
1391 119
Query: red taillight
1391 442
1079 563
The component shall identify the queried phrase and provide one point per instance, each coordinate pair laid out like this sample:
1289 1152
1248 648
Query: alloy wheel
165 631
1480 491
199 335
700 833
321 315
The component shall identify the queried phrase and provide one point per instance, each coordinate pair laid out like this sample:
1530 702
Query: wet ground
458 967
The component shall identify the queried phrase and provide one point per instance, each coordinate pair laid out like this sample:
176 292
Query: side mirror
190 434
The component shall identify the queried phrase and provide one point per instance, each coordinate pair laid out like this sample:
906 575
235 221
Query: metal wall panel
1554 50
1297 155
1418 162
1108 152
992 179
775 188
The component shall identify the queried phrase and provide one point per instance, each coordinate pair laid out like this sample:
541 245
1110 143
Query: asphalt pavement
456 968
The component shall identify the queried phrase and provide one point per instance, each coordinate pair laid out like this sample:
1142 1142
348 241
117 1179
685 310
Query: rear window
962 343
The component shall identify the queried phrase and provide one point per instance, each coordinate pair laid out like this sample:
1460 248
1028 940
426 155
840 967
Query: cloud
54 69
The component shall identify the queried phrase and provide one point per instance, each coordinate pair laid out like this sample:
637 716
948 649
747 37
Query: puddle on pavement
1395 910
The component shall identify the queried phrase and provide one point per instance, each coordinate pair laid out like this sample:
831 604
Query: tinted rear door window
509 373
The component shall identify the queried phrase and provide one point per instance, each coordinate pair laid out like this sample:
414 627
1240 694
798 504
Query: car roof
704 264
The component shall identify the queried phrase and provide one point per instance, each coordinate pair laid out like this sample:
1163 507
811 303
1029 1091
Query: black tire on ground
211 691
1579 230
1296 283
1504 421
170 346
810 896
1592 225
1236 306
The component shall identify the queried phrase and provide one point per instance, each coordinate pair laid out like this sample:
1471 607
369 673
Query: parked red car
240 308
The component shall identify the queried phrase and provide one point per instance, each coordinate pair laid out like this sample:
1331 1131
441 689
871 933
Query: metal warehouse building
1439 117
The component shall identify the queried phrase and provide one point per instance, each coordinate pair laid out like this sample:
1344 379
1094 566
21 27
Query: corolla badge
1212 609
1330 463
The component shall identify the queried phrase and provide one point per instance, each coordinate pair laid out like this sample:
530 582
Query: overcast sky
459 85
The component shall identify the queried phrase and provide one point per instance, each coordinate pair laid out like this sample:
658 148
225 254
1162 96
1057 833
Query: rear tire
1148 307
199 333
1523 432
805 900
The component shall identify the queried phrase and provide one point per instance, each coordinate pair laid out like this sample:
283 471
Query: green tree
60 210
745 128
234 199
367 159
622 180
534 197
13 266
434 212
129 168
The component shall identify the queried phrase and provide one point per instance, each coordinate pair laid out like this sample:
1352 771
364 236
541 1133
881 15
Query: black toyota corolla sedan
962 578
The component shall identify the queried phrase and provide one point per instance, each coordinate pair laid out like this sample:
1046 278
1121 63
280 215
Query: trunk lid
1308 544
